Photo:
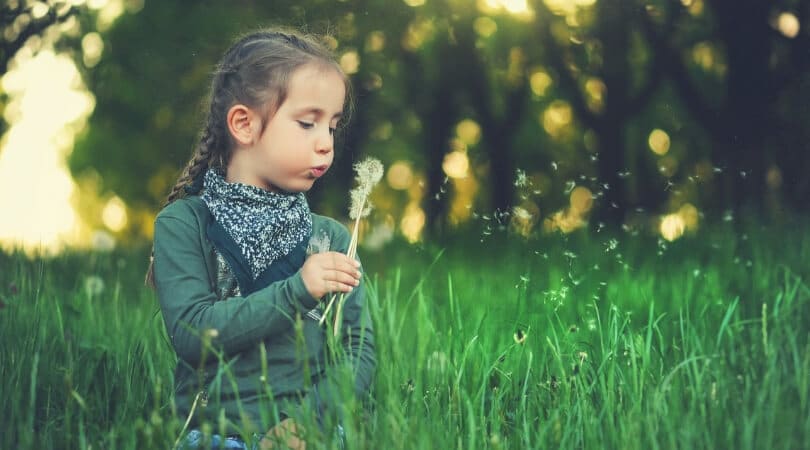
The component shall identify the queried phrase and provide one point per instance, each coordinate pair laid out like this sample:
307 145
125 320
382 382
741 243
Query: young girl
241 266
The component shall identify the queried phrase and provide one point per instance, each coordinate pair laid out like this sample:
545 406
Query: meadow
588 340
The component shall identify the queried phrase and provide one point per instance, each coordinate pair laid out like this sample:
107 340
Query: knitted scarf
265 225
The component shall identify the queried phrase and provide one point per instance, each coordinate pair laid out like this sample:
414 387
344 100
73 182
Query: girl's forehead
316 88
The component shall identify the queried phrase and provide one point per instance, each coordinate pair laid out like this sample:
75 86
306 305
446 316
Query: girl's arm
189 302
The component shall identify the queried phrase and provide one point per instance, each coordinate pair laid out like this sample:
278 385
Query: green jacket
267 352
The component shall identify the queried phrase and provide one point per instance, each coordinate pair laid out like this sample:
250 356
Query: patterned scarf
265 225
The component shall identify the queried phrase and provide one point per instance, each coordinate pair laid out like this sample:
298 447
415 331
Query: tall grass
584 341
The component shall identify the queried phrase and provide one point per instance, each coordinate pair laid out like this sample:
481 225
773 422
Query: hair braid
190 182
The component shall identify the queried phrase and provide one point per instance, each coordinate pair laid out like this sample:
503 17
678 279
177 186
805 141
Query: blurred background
539 116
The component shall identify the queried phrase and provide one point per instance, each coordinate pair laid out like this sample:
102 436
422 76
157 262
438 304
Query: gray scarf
265 225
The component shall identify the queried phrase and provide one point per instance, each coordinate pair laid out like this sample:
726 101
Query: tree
762 64
611 35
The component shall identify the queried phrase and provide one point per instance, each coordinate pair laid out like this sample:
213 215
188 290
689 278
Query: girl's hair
255 71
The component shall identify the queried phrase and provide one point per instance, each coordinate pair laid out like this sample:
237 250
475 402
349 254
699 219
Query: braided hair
255 71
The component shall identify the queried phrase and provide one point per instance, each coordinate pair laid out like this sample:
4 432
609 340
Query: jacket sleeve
190 305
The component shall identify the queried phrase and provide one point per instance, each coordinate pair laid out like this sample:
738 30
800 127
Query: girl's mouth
317 172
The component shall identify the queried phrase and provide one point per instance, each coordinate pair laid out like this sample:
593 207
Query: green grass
628 343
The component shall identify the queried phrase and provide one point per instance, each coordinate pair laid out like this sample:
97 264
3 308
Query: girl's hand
330 272
284 435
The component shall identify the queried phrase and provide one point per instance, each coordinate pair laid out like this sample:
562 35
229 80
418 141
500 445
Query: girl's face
297 145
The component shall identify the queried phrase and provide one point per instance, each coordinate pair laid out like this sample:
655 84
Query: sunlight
567 7
47 105
34 180
518 8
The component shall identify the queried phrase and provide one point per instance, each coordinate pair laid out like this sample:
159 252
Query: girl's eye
306 125
332 130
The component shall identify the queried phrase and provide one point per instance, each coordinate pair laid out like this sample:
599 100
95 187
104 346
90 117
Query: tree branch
34 28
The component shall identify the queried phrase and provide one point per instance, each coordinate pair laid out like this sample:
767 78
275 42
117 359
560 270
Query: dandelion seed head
319 244
93 285
369 173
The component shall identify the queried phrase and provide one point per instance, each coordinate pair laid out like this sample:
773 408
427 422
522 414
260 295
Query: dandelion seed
319 244
521 213
569 186
520 178
553 165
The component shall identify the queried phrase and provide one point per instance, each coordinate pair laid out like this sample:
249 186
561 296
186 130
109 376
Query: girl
241 266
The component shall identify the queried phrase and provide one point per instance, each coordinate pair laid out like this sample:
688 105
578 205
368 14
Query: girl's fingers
344 278
336 286
347 269
343 262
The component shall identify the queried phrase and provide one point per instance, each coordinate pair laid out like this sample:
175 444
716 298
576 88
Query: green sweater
266 352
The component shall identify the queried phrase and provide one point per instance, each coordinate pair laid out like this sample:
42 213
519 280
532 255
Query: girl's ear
243 124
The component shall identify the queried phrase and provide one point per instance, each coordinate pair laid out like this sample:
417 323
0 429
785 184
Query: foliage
568 94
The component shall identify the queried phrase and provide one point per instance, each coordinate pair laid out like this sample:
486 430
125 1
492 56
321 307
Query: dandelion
93 285
369 173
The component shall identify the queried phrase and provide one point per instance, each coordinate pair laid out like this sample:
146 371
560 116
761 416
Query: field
591 340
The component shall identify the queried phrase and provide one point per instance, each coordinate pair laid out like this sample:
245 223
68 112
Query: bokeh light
400 175
350 62
456 164
468 131
539 81
412 223
659 142
114 214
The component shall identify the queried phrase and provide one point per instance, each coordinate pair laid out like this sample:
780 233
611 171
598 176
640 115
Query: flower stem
351 253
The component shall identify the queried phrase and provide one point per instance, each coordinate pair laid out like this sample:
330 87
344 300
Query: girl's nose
325 143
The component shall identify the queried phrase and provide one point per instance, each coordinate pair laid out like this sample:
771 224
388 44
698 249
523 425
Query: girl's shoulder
190 210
